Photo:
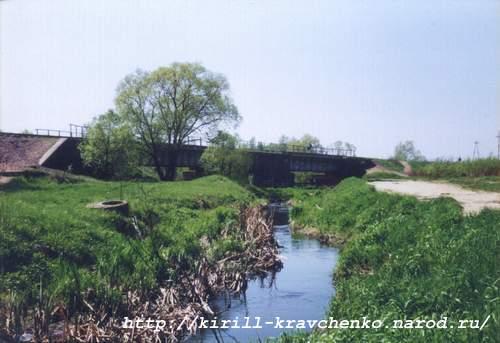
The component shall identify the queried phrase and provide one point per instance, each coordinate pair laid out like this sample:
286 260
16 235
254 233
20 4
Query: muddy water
301 290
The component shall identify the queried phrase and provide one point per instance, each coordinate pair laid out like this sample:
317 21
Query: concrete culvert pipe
120 206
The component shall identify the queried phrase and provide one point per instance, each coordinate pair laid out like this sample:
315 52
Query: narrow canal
300 291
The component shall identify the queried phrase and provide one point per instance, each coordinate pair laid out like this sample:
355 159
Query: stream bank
252 250
301 290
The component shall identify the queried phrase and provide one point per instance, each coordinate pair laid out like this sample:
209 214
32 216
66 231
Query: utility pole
498 137
475 153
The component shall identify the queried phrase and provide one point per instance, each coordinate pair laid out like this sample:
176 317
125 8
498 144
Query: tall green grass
485 183
406 259
467 168
53 245
482 174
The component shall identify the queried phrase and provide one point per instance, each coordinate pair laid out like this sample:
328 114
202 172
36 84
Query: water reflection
301 290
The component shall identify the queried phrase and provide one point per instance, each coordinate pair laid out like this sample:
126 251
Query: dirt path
381 169
408 170
471 201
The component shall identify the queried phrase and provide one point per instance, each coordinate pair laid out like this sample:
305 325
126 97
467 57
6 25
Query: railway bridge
270 167
276 166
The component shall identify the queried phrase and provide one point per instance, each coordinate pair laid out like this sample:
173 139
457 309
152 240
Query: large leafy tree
167 106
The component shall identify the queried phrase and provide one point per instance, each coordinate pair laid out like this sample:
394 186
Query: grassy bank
467 168
483 183
377 176
55 250
405 259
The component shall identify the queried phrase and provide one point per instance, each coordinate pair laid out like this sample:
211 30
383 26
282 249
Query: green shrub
225 157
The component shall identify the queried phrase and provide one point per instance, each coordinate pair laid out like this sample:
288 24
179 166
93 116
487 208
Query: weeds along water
405 259
92 264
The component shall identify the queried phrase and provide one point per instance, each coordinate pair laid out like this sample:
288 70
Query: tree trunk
160 172
158 167
172 163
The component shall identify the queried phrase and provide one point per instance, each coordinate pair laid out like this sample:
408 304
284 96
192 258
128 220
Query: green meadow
54 248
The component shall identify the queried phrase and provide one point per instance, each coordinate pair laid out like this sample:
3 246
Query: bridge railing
283 148
78 131
321 150
194 141
53 133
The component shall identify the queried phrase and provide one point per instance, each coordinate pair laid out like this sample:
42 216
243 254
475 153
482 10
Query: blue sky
369 72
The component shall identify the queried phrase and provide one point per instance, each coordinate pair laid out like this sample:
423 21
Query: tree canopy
109 147
223 157
406 151
168 105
